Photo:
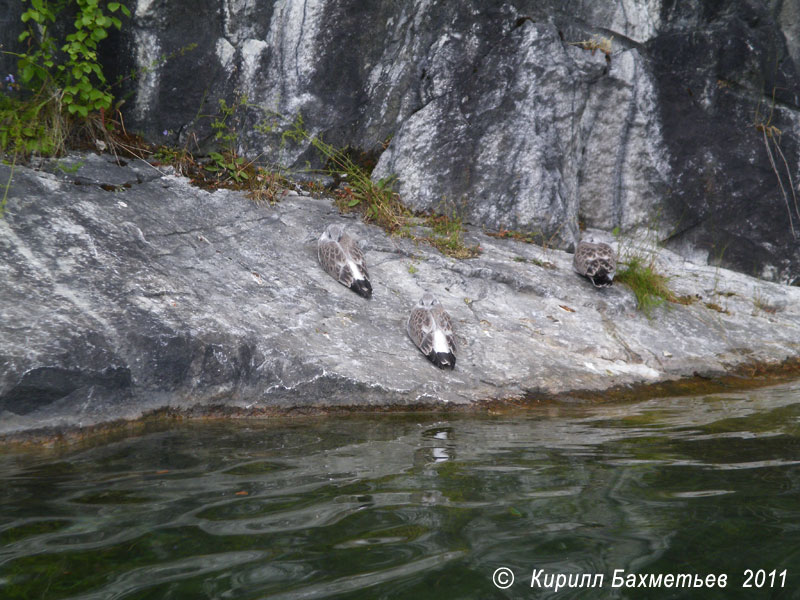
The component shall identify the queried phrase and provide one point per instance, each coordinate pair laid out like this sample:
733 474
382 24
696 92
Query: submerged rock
125 290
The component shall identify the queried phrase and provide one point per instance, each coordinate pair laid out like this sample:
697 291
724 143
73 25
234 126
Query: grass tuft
545 264
717 307
649 287
376 200
686 299
447 237
597 42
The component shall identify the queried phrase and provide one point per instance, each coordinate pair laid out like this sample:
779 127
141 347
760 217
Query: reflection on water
392 506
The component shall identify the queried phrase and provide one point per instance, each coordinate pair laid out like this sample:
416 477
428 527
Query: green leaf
113 6
354 202
125 10
23 36
27 73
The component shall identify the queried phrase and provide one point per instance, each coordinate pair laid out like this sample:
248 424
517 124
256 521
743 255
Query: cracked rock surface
507 112
124 289
533 115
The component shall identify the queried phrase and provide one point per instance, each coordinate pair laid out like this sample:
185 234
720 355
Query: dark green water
417 507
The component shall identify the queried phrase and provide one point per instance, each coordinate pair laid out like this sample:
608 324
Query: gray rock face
502 112
147 293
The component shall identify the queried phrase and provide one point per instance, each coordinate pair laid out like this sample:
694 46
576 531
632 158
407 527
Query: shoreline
132 292
744 378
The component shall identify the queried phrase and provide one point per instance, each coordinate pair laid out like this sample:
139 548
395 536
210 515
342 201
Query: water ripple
367 580
406 506
147 577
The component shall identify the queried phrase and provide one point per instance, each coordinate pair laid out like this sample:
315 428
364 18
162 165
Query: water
392 506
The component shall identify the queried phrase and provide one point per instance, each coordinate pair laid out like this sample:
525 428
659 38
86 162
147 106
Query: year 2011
762 578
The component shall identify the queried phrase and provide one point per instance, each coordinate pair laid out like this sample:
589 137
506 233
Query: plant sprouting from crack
638 271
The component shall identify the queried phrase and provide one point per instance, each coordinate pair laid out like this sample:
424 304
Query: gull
340 256
595 261
430 328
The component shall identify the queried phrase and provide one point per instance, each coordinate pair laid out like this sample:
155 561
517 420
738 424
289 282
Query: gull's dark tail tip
601 279
443 360
362 287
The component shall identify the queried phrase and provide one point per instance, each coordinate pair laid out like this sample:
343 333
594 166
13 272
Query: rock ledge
148 293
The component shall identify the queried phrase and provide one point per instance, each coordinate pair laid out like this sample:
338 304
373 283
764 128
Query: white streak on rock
147 61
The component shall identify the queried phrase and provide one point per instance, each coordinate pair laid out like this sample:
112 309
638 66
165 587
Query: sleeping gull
429 327
595 261
340 256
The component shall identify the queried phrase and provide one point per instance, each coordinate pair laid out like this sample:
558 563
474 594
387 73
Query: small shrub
228 166
33 125
60 84
77 70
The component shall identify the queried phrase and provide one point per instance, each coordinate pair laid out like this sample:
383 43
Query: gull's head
428 300
334 231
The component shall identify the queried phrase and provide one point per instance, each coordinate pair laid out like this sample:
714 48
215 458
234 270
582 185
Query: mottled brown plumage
431 329
595 261
340 256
